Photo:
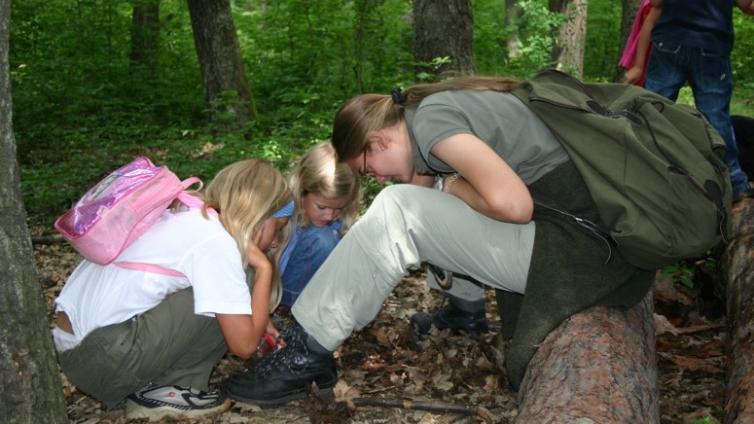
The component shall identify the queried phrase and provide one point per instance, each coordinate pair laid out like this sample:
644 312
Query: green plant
536 38
680 273
433 65
81 109
706 420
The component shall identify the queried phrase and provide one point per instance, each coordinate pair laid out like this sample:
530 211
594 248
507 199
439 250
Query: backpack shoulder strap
155 269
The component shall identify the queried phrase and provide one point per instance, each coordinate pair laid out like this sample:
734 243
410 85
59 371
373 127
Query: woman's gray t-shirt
499 119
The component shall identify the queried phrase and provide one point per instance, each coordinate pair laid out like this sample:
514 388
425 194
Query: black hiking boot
468 317
450 315
284 375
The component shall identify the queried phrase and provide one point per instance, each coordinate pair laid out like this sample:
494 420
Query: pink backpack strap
155 269
192 201
188 200
188 182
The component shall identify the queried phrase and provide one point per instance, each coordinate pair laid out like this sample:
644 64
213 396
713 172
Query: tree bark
513 14
226 86
568 51
737 261
443 29
599 366
627 20
145 35
31 391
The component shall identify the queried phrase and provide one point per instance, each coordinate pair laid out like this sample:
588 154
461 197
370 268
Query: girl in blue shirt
327 203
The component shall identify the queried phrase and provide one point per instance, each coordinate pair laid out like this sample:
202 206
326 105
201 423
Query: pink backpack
120 208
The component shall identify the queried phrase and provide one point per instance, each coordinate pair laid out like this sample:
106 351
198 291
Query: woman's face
388 155
267 235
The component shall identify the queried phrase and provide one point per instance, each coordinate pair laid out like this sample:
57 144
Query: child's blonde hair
319 172
246 193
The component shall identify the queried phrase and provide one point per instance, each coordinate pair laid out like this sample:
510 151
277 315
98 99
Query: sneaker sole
136 411
326 393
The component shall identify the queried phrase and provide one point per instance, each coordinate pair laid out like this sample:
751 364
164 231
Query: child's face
322 210
267 235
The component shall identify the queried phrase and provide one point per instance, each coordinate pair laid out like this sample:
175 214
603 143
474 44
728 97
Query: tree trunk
362 9
513 14
739 379
226 86
598 366
145 35
443 29
568 52
31 391
627 20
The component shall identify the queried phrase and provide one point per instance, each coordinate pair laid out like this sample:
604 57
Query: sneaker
155 402
448 315
285 375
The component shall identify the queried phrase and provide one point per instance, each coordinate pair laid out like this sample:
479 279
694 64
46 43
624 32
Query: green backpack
654 168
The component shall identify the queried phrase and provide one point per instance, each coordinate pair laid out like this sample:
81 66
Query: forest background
198 84
94 85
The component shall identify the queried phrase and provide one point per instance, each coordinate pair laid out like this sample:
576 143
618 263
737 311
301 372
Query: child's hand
632 75
271 330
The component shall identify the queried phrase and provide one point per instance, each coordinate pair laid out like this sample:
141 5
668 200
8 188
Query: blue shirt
704 24
335 225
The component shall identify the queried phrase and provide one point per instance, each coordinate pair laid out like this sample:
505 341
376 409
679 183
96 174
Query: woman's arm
489 185
242 332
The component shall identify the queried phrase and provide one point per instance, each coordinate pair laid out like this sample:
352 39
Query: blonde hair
318 172
246 193
366 113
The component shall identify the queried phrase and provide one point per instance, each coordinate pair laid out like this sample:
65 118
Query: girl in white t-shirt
154 339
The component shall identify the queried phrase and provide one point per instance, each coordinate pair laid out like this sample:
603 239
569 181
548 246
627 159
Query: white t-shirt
96 296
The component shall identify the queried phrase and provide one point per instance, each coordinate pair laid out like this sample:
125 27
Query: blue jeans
708 73
313 247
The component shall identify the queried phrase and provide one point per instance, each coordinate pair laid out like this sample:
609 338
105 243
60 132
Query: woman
487 152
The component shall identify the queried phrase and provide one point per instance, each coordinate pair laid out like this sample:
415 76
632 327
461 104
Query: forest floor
382 362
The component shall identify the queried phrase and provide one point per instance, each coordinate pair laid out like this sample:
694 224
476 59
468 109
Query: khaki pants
168 345
404 226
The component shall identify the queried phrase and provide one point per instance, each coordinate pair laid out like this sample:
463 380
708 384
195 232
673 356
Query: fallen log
598 366
738 264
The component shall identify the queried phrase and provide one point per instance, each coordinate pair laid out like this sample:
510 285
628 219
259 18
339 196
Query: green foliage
680 273
602 49
536 38
706 420
81 108
693 274
742 60
434 65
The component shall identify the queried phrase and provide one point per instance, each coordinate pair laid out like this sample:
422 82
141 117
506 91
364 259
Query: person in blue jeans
327 198
691 42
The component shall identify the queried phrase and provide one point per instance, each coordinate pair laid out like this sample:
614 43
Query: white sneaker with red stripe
155 402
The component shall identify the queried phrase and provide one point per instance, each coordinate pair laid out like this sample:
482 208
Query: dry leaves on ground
384 364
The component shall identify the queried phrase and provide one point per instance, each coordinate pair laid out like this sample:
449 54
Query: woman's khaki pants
405 226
